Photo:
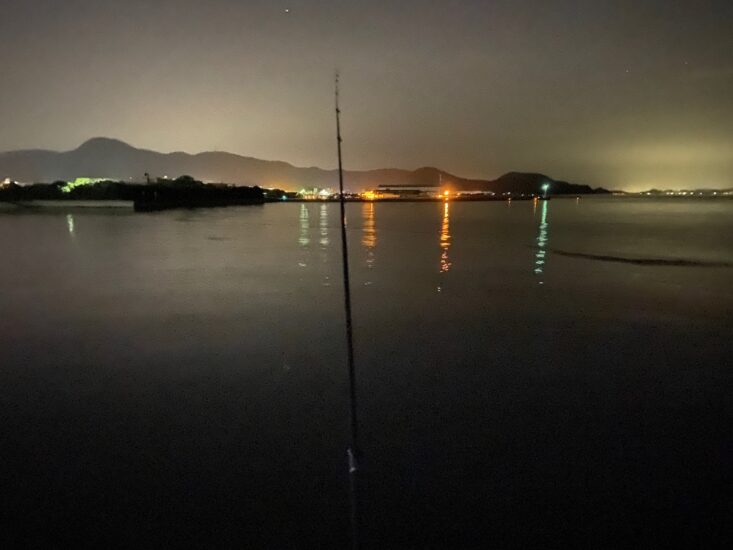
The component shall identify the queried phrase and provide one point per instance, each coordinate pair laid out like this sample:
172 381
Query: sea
529 374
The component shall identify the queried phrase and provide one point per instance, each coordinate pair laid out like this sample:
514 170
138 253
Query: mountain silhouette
116 160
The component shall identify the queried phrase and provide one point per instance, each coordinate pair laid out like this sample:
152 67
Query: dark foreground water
530 376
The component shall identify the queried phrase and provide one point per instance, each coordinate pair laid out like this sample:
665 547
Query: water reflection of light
323 224
445 239
540 258
70 223
369 236
303 240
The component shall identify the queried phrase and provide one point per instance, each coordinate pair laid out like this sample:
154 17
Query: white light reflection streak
323 224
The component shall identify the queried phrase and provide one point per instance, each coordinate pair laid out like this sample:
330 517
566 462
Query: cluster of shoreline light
325 194
316 194
81 182
705 193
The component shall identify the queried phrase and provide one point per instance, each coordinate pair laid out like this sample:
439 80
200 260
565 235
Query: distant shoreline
51 204
122 205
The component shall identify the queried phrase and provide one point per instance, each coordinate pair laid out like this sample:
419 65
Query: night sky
624 94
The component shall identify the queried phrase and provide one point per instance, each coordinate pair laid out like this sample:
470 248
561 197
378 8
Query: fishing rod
353 450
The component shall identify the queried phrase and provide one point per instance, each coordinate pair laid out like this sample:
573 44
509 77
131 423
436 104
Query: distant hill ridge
111 158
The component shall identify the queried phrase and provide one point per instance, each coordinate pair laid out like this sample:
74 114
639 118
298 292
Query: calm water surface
177 379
